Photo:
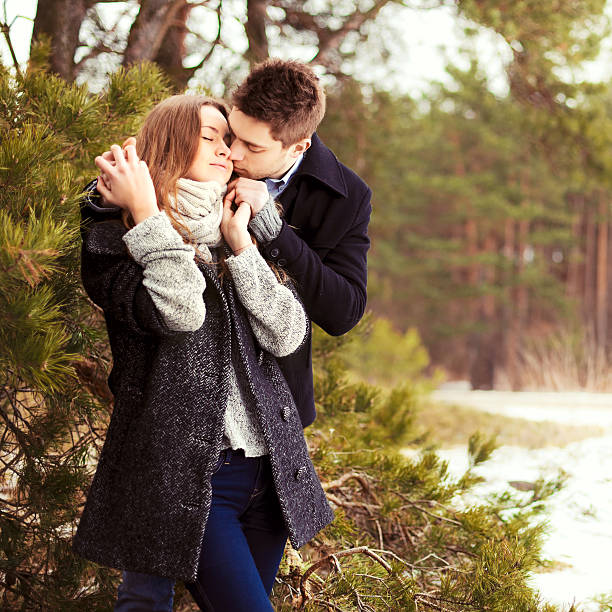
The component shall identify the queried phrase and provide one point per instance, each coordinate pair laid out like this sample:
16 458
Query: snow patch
579 516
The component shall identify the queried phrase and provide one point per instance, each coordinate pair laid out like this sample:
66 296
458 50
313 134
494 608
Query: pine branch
24 443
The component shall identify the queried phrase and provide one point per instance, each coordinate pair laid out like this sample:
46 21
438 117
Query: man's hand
254 193
127 183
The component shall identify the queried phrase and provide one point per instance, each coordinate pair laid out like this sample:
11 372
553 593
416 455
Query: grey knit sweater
176 286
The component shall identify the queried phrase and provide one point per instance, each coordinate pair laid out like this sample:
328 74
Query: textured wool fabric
170 273
266 224
241 428
279 324
277 317
149 500
200 204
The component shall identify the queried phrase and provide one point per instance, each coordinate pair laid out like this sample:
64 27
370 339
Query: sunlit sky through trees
418 45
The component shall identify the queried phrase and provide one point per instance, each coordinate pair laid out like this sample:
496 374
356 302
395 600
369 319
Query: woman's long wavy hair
168 142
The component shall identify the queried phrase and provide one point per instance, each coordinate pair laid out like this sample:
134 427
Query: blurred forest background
490 262
490 230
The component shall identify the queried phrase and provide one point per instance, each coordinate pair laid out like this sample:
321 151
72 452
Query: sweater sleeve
170 273
275 313
115 281
266 224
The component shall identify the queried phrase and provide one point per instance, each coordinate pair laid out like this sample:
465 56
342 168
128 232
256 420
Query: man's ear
300 147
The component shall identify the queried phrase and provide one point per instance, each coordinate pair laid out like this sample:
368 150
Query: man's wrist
266 224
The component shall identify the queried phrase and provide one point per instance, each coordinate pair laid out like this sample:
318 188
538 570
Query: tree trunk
149 29
522 296
572 283
172 50
489 302
60 21
589 269
255 29
520 305
602 276
488 344
508 348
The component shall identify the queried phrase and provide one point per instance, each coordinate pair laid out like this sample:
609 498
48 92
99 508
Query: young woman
205 471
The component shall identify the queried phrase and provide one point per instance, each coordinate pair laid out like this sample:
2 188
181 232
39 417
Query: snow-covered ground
580 515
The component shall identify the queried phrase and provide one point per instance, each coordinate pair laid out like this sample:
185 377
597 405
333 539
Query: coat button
274 252
285 413
300 472
282 262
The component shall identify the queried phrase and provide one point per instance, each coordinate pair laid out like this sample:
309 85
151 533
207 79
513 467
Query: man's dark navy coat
325 251
328 207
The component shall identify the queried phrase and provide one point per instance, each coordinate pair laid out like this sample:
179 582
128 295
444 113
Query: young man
321 239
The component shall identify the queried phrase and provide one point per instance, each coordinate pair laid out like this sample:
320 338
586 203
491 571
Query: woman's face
211 161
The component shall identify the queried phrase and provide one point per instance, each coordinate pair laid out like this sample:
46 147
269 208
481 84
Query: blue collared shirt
276 186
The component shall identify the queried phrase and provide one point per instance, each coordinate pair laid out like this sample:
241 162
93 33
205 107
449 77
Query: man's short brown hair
285 94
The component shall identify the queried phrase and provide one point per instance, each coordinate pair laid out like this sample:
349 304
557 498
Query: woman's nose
223 150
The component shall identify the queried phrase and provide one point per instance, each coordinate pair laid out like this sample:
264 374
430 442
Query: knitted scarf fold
200 204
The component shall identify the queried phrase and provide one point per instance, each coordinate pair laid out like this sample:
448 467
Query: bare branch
94 52
191 71
330 40
333 560
6 31
360 478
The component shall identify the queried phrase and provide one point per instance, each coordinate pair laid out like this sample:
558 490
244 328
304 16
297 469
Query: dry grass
560 360
451 425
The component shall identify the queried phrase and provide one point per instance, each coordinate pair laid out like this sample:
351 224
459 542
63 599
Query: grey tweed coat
149 500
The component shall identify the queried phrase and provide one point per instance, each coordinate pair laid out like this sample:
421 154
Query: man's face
255 153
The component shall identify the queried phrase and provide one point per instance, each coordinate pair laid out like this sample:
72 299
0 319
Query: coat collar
320 163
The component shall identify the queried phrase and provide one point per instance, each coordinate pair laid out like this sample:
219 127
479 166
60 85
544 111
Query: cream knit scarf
200 205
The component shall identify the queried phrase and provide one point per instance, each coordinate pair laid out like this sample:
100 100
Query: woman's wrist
140 214
238 241
242 248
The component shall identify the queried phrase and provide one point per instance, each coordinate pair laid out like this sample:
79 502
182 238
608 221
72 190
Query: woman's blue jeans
243 545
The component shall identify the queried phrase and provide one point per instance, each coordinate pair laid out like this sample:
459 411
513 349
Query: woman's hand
127 183
234 225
